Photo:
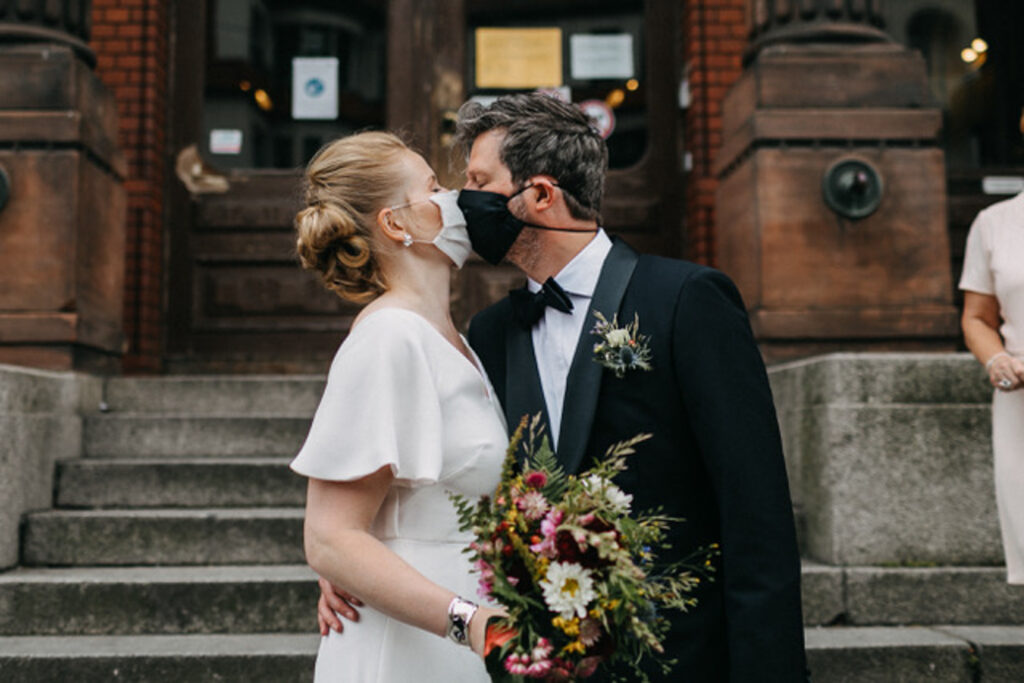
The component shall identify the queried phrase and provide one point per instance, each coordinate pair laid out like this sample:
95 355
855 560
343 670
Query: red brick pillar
130 40
714 37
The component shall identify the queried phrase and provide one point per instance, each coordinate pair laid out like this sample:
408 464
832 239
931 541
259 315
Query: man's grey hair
543 136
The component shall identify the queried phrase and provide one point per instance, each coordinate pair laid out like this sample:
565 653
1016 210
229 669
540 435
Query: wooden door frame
186 83
642 203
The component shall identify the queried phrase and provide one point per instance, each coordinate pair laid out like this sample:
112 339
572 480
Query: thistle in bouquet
577 573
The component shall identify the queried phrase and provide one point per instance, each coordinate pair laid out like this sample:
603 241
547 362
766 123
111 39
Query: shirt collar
579 276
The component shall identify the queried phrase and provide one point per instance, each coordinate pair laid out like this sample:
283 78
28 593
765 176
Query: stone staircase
173 553
174 549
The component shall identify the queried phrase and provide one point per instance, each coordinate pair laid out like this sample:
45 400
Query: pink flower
551 521
536 480
517 665
486 580
587 666
549 530
541 650
539 669
533 505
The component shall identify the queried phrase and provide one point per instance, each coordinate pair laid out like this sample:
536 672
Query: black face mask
492 227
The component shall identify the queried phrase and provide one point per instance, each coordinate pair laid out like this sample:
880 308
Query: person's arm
980 324
730 410
340 548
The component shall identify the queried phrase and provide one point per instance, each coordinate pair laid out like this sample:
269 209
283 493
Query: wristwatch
459 613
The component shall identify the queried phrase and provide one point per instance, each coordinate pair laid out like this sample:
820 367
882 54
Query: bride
407 416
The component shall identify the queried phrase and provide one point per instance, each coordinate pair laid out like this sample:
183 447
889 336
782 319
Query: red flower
536 479
568 549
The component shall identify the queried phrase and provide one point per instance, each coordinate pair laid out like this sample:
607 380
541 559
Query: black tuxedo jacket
715 458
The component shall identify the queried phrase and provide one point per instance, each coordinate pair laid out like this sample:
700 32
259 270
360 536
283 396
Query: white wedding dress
399 394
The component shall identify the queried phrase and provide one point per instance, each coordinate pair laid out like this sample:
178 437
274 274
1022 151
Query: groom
535 178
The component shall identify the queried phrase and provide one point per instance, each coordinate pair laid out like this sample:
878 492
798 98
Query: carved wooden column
62 226
831 210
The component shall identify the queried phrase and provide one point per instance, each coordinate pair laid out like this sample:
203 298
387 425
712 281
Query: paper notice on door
518 58
315 88
601 56
225 141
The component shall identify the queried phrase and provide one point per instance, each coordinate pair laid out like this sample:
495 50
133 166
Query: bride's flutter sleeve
380 407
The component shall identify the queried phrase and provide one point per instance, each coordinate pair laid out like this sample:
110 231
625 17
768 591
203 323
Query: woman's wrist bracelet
459 614
988 365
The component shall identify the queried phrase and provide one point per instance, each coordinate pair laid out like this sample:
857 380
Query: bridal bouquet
576 573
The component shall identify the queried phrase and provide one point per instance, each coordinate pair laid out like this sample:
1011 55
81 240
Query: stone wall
890 458
40 423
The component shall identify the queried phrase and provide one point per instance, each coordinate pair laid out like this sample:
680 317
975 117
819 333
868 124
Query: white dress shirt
556 334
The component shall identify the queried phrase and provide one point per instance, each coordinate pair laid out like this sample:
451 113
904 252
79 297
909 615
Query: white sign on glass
225 141
1002 184
601 56
315 88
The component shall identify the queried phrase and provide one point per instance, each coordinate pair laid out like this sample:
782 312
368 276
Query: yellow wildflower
570 627
575 646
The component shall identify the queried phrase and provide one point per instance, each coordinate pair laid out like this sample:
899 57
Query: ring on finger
1005 383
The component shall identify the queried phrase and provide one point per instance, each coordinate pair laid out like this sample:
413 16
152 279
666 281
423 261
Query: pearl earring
407 240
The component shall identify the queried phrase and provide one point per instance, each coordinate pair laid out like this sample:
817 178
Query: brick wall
714 36
130 40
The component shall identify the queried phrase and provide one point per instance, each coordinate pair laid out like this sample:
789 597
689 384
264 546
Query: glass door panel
284 77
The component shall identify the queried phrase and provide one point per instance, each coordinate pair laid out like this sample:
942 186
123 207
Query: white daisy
568 589
616 498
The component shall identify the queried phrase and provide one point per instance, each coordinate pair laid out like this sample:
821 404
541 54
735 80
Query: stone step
138 435
215 395
883 596
262 658
835 655
941 654
192 482
163 536
168 600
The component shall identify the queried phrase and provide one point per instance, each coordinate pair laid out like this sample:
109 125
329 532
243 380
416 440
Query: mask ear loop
546 227
407 239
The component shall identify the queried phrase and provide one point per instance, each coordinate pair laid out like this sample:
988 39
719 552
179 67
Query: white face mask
453 239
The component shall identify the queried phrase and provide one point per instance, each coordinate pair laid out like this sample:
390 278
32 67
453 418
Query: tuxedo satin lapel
523 392
584 380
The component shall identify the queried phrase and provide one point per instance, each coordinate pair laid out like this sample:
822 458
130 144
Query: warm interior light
632 84
245 86
615 97
968 55
979 45
263 100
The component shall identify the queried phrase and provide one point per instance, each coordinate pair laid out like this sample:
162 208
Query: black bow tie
529 306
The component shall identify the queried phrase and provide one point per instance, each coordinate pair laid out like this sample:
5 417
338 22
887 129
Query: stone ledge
889 458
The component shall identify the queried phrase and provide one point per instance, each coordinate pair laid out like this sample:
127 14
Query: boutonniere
620 348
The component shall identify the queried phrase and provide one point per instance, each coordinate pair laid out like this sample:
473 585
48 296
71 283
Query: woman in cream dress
407 416
993 325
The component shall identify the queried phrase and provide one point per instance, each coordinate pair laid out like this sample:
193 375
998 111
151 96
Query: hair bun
346 184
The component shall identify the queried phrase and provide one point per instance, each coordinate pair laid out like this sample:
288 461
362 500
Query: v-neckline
473 362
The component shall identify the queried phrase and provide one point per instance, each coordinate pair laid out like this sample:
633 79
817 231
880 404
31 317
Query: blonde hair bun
346 184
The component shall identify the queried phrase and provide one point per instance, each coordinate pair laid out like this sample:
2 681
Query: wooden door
237 300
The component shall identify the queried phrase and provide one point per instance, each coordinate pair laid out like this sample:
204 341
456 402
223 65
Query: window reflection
974 59
248 114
